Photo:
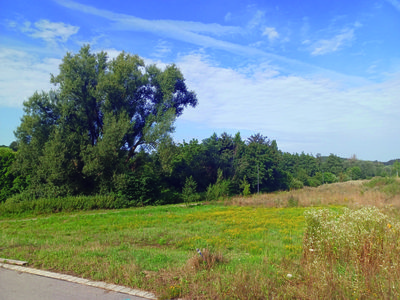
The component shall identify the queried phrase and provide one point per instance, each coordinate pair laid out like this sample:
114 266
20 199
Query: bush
388 185
296 184
379 182
245 186
220 189
329 177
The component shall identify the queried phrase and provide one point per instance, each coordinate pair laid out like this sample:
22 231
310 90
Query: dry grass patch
351 193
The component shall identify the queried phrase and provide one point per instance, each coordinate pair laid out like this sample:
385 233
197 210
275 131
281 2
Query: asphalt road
16 285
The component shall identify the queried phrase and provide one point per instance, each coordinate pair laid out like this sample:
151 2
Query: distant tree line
218 166
105 130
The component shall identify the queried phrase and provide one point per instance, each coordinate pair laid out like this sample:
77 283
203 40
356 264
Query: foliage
388 185
7 157
296 184
189 191
245 186
218 190
79 137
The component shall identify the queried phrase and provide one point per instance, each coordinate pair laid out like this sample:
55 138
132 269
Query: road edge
98 284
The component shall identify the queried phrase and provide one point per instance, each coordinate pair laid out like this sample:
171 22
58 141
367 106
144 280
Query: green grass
135 247
248 251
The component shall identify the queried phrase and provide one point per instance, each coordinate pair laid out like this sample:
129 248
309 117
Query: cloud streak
334 44
190 32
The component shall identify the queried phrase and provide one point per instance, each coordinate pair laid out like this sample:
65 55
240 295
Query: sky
316 76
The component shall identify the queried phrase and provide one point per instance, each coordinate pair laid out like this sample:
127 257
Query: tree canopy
80 136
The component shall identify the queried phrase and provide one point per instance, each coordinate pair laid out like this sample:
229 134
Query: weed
205 259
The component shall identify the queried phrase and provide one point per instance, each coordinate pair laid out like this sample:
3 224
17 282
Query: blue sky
317 76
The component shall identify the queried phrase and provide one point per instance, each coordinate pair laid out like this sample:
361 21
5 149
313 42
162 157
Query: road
20 285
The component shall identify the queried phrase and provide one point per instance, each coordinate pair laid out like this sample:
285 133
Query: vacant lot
249 249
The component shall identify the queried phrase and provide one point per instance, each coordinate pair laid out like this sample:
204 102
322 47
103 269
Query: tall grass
379 192
60 204
355 254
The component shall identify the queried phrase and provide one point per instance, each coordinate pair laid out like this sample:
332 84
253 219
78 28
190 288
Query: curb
98 284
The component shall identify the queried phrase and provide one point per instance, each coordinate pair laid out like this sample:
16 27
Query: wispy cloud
333 44
127 22
48 31
22 74
395 3
162 49
271 33
257 20
195 33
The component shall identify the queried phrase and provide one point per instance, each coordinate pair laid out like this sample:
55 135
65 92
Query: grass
148 247
378 192
249 245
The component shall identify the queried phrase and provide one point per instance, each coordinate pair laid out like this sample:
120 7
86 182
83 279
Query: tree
189 190
396 168
260 163
334 164
79 137
7 157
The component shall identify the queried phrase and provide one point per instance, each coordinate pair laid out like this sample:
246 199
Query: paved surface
19 283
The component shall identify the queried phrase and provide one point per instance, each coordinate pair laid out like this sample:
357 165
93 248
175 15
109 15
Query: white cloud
48 31
23 74
271 33
334 44
292 108
189 32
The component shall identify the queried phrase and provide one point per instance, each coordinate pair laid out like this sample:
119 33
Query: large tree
82 135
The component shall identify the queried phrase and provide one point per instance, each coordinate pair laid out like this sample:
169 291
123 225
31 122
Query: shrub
380 181
296 184
245 186
189 191
388 185
219 189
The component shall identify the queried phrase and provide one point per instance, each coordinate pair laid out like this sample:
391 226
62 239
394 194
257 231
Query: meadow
335 241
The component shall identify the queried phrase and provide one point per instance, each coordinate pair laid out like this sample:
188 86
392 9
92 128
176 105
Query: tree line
105 129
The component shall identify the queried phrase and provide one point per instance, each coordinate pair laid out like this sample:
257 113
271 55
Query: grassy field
262 247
